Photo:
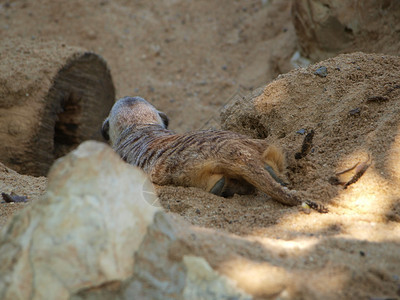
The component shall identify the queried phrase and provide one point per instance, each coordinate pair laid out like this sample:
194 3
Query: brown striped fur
205 159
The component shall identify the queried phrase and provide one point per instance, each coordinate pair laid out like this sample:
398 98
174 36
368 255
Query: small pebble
321 71
377 99
355 111
13 198
301 131
203 82
306 208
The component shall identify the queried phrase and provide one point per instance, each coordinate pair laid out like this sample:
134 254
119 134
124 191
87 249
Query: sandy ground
186 57
189 58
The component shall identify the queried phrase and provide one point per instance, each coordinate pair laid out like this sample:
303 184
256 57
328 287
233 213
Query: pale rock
298 61
83 233
99 233
202 282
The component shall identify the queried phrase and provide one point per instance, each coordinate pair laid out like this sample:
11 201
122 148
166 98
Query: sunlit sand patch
299 246
269 279
371 194
261 279
373 231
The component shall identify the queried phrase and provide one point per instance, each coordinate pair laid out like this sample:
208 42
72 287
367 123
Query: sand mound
354 112
52 97
327 28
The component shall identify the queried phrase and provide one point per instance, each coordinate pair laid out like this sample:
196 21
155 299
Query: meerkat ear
105 129
164 118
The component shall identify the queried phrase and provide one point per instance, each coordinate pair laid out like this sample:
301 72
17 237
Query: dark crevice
67 125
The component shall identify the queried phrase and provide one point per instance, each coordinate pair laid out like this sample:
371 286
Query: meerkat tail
275 162
274 157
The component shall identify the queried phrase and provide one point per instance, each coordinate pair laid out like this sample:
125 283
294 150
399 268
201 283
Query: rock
298 61
13 198
355 111
327 28
301 131
82 234
99 233
321 71
204 283
52 97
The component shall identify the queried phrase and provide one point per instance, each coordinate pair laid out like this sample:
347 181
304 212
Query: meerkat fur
220 162
275 157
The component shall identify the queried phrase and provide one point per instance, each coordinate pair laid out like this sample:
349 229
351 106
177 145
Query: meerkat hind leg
238 186
216 184
223 186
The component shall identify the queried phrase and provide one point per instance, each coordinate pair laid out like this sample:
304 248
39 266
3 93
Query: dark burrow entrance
67 124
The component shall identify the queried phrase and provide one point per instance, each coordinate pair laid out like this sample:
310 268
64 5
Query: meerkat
221 162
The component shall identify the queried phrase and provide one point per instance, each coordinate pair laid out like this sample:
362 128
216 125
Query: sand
189 58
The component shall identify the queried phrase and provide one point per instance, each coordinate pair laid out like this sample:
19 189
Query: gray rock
82 234
301 131
204 283
321 71
99 233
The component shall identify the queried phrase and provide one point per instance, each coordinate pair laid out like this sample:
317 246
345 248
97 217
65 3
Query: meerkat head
130 111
